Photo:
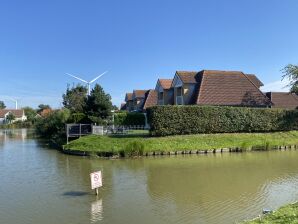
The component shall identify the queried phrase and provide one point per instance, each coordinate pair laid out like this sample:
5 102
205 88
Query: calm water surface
41 185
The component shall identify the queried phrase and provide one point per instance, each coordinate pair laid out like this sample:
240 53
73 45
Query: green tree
42 107
2 105
291 72
30 113
10 118
98 105
52 127
75 98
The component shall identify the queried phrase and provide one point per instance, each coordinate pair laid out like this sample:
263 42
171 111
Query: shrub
53 126
135 148
124 118
177 120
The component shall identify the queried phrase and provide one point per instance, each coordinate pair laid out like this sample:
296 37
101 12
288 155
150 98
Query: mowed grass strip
287 214
244 141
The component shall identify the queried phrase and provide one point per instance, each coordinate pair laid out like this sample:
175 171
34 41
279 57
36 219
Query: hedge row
124 118
177 120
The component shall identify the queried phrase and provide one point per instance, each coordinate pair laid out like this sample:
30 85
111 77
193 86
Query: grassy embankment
244 141
287 214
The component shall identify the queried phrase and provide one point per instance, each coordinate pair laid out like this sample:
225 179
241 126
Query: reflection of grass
287 214
184 142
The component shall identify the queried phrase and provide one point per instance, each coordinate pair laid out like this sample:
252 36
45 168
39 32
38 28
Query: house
150 99
18 114
218 88
123 106
129 102
165 92
283 100
138 98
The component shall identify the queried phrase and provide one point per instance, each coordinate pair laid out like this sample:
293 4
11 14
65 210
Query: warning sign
96 180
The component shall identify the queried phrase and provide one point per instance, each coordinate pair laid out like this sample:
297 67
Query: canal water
42 185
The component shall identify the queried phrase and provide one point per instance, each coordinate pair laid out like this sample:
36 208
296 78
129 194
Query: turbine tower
14 100
88 83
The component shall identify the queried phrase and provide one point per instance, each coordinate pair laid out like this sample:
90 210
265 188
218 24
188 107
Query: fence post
80 130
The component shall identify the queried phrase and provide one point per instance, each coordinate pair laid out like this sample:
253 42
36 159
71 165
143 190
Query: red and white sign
96 180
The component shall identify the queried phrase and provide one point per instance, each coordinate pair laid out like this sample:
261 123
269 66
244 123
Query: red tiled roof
283 100
139 93
165 83
128 97
255 80
229 88
187 77
16 113
151 99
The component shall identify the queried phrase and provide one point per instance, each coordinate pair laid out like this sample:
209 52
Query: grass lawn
287 214
244 141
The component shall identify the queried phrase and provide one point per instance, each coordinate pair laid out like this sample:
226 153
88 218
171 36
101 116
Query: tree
10 118
291 72
30 113
99 104
42 107
2 105
75 99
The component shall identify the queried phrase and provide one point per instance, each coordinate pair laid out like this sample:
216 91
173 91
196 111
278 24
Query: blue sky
137 42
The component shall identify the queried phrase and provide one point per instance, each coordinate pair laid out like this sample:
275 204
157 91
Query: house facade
140 100
218 88
18 114
165 92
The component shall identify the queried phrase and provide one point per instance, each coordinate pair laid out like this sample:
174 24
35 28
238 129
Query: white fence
78 130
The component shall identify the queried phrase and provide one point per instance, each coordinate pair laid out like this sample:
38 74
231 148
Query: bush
135 148
52 126
177 120
124 118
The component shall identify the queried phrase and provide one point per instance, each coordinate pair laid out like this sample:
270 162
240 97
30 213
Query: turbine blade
98 77
77 78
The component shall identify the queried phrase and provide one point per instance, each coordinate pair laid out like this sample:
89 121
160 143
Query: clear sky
138 41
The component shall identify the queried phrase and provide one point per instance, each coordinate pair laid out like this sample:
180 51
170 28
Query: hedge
125 118
179 120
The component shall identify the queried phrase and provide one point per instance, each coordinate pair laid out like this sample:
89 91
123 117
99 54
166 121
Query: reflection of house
218 88
165 93
19 115
283 100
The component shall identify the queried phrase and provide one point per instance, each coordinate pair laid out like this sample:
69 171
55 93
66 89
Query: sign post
96 181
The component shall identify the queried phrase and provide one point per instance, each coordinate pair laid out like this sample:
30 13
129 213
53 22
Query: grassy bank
287 214
244 141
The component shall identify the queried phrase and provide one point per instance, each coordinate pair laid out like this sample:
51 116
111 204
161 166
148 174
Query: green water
41 185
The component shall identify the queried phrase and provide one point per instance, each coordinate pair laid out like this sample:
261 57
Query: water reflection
96 211
16 134
221 188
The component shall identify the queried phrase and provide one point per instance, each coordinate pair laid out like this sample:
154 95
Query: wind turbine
14 100
88 83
